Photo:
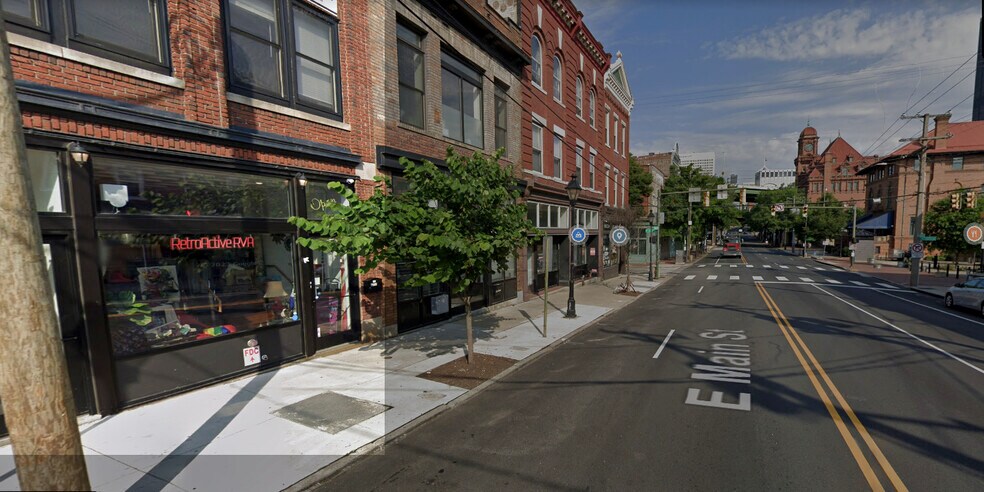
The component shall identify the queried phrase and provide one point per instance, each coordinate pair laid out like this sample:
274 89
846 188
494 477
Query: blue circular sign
579 235
620 236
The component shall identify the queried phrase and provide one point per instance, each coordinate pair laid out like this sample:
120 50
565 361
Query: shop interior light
78 153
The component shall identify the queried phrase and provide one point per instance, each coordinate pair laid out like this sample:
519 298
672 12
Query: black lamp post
573 190
649 245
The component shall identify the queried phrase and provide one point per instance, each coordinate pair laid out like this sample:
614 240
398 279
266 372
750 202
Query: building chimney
942 128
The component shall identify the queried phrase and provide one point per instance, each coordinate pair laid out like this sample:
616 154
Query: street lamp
573 190
652 220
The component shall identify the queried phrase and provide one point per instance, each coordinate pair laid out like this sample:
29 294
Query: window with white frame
608 177
615 183
548 216
537 147
587 219
608 127
623 139
591 170
591 108
287 58
579 97
957 163
461 101
558 79
615 118
558 156
579 164
536 62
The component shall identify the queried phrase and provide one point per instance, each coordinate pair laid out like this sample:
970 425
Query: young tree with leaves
450 226
826 219
948 225
640 184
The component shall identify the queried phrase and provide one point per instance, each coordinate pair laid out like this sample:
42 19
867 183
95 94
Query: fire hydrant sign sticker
251 356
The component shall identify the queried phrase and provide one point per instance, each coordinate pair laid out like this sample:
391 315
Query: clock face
808 147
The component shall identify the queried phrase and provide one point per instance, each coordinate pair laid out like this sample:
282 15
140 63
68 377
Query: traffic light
707 198
741 196
955 201
805 207
971 199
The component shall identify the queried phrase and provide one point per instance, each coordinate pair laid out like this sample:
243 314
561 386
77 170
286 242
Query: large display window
163 290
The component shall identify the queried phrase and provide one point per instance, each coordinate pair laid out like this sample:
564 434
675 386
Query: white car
966 294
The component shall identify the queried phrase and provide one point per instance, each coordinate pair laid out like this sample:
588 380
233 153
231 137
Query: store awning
877 221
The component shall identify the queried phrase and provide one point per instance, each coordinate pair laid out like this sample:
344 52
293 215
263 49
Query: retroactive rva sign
620 236
579 235
973 233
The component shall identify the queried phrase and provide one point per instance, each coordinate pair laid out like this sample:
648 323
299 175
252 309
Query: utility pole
546 282
659 225
37 398
854 229
690 221
920 183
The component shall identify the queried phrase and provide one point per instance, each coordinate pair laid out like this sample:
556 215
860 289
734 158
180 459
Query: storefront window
165 290
133 187
45 180
318 198
331 292
508 273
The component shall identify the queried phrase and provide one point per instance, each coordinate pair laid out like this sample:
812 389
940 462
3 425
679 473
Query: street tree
826 219
948 225
760 217
450 225
640 184
675 203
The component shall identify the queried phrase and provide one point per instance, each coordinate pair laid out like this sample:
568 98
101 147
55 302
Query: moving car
731 250
966 294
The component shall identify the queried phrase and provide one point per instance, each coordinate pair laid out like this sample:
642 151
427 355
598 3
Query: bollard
957 276
948 271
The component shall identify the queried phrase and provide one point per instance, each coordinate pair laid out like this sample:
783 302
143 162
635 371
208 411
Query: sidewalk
931 283
271 430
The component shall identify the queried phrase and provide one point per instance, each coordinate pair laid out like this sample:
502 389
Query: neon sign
215 242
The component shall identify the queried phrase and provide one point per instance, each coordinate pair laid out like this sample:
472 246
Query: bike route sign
620 236
579 235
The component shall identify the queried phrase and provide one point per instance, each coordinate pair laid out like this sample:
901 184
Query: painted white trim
539 16
276 108
560 39
559 131
593 150
539 119
580 143
93 61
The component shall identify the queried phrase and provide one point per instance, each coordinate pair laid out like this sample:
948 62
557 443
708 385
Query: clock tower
806 155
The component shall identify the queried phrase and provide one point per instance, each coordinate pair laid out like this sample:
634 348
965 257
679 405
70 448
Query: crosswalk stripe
801 267
734 277
784 279
749 266
701 266
756 277
832 281
819 268
858 282
766 266
783 267
887 286
690 277
733 265
717 266
712 277
806 279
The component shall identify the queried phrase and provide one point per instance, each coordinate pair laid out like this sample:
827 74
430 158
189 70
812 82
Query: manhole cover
331 412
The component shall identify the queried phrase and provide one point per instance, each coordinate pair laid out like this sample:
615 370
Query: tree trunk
470 336
37 398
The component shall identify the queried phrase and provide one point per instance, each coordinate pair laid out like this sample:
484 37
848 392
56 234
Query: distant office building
701 160
733 179
775 178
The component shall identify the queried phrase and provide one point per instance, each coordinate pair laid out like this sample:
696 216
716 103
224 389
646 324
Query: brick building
955 165
166 234
835 170
444 74
575 122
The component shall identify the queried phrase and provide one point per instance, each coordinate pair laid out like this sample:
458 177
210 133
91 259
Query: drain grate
331 412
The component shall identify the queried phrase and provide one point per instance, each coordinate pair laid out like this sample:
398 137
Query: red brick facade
834 171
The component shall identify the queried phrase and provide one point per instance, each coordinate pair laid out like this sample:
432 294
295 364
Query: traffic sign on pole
973 233
579 235
917 250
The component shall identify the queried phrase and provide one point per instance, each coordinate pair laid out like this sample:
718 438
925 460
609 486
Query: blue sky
741 77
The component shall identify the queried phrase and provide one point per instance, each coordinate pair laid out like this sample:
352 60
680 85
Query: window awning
877 221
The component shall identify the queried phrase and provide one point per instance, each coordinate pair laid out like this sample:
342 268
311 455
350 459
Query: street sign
579 235
693 195
917 249
927 239
722 192
973 233
620 236
779 207
662 218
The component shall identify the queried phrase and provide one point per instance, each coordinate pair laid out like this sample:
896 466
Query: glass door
332 299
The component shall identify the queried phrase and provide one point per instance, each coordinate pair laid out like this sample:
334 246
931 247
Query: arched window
579 97
591 108
537 63
558 74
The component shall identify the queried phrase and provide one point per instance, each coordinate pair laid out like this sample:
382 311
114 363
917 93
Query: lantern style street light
649 245
573 190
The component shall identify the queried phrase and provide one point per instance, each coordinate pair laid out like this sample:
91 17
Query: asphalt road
775 373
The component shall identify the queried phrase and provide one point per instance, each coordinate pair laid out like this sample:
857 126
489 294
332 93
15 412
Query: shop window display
168 290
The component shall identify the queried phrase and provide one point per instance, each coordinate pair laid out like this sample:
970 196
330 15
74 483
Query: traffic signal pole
920 191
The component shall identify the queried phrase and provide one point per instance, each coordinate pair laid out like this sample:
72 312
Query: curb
328 471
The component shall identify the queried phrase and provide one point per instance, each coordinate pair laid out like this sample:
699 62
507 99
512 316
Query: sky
743 78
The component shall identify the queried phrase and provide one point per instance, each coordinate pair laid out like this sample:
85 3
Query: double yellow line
813 369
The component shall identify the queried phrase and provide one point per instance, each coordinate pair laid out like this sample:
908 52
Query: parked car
731 250
966 294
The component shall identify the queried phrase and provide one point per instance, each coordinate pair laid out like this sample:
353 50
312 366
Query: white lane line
712 277
690 277
858 282
701 266
819 268
888 286
663 345
766 266
756 278
806 279
944 311
877 289
832 281
701 289
784 279
783 267
924 342
734 277
801 267
717 260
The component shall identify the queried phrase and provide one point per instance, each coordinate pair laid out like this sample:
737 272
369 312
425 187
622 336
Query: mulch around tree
631 293
464 375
